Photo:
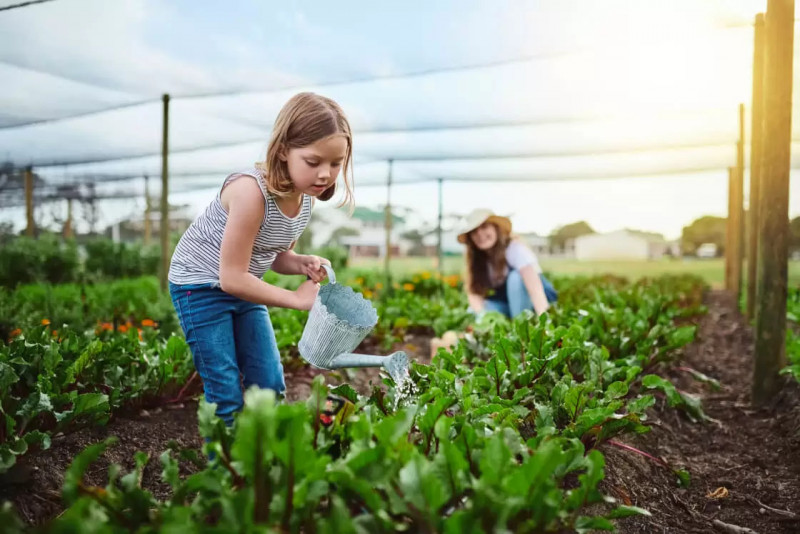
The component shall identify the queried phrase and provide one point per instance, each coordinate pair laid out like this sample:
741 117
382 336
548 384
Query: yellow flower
408 287
45 322
378 286
368 294
425 275
415 279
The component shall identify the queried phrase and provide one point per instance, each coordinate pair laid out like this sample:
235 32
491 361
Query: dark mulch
34 485
753 454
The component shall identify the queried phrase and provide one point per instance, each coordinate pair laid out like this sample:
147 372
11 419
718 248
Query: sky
622 113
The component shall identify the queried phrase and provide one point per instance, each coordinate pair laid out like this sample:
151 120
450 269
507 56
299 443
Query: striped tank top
197 257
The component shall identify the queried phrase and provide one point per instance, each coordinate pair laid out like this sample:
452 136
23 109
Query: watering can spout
396 364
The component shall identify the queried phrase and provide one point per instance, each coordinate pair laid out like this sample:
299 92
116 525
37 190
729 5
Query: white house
622 244
367 235
538 243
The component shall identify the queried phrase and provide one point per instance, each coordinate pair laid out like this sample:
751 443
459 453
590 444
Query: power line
23 4
411 157
377 131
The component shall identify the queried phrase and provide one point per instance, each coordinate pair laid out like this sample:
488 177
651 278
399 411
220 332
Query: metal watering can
339 320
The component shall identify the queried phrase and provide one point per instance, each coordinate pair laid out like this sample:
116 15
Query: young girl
251 226
503 274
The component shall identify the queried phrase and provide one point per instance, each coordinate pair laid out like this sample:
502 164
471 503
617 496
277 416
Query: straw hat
477 218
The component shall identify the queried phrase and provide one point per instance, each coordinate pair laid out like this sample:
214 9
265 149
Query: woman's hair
478 261
305 119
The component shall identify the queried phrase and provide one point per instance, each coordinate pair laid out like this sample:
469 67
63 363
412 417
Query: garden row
500 434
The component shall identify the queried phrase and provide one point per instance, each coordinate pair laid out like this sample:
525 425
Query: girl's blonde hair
305 119
477 279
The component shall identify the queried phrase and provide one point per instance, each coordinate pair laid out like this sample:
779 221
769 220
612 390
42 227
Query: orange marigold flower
408 287
123 328
45 322
55 333
106 326
15 332
148 322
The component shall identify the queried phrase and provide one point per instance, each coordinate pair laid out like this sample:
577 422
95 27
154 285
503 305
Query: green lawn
713 271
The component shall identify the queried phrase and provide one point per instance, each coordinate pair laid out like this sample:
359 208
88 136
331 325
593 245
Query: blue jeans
228 336
518 297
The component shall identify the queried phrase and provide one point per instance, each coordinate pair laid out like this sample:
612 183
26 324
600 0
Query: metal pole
165 253
30 228
388 224
147 225
737 215
68 222
729 258
439 251
773 253
756 128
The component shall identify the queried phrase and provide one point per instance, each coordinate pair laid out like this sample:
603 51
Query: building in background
624 244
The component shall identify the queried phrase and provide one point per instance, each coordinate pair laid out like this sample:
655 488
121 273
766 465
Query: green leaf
684 478
422 486
545 425
7 377
392 429
346 391
432 413
616 390
7 458
90 407
171 472
641 404
627 511
681 336
495 460
700 377
495 369
584 525
207 419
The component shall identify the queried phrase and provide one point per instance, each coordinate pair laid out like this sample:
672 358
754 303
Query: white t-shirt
518 255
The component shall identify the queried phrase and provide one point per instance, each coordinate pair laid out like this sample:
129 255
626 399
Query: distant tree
415 237
561 235
707 229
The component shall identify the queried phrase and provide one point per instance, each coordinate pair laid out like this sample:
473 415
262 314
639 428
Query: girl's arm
287 263
535 289
290 262
245 205
475 302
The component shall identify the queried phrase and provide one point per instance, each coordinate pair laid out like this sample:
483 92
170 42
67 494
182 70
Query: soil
753 454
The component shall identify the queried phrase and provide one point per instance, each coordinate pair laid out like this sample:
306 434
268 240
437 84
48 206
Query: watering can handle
331 274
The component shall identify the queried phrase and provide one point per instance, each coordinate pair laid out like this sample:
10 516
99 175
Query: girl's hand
311 266
306 294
